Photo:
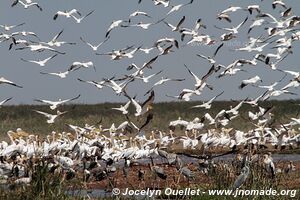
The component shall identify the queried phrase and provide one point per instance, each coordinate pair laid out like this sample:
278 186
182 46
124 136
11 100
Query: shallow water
92 193
100 193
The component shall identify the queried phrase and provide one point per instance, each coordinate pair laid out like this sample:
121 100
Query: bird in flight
41 63
5 81
55 104
51 117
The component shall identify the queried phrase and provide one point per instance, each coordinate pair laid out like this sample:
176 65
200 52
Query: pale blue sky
93 29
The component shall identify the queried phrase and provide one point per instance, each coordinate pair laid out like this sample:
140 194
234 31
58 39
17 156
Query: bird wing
67 100
137 106
219 47
180 22
57 35
5 100
195 77
43 113
243 22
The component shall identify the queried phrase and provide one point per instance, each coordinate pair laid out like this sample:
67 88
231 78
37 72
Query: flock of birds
84 147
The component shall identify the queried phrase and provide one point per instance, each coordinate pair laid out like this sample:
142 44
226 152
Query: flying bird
207 105
5 81
59 74
94 47
41 63
78 20
66 14
26 5
56 104
250 81
78 65
177 7
113 25
123 109
51 117
10 27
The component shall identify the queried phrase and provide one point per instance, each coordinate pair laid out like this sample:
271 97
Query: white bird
230 71
278 3
146 50
276 93
296 120
118 88
293 73
251 8
142 25
234 30
178 122
167 40
268 87
194 32
197 79
250 81
138 107
27 5
208 58
279 24
66 14
9 27
78 20
55 104
119 54
41 63
254 102
255 116
162 81
136 13
98 85
77 65
55 43
251 48
231 9
113 25
64 161
177 27
123 109
186 94
209 118
59 74
165 3
177 7
224 16
39 48
144 107
51 117
5 81
293 83
227 36
207 105
147 78
94 47
201 83
256 22
235 109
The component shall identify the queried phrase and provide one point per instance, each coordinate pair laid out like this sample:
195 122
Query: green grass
24 117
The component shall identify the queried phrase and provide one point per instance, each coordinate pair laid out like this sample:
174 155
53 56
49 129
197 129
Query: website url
197 192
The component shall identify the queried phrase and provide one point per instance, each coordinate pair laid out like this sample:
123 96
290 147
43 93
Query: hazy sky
93 30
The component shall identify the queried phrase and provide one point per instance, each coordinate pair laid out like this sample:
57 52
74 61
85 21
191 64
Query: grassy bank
23 116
